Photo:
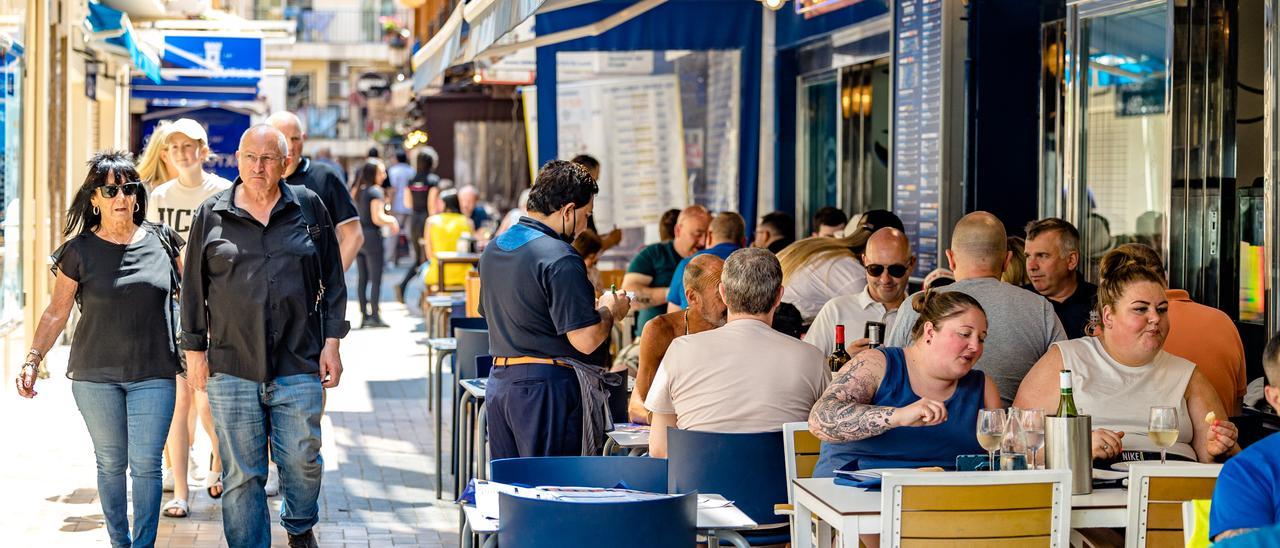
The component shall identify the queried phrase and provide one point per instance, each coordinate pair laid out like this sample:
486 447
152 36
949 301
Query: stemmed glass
991 425
1032 421
1163 428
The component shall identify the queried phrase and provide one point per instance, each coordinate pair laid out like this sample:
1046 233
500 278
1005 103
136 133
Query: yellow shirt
443 231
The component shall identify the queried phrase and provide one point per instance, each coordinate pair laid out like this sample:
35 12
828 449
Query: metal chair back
639 473
536 523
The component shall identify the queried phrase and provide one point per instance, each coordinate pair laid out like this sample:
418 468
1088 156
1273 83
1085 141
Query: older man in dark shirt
263 309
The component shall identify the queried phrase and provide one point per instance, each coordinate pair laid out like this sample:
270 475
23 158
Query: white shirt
853 312
1120 397
815 283
174 203
743 377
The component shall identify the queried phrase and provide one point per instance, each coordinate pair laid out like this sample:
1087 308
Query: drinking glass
1032 432
1163 428
991 427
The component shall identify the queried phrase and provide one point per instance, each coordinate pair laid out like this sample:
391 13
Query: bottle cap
840 334
1064 379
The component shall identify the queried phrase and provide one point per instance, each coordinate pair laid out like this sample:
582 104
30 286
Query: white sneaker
273 481
166 480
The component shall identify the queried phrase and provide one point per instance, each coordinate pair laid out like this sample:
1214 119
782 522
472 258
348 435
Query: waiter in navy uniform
545 397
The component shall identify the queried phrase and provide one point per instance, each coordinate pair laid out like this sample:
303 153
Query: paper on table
706 502
487 496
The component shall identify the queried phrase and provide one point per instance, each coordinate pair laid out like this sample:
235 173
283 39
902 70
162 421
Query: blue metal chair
748 469
639 473
535 523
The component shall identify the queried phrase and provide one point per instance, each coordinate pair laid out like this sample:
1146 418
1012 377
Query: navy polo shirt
536 291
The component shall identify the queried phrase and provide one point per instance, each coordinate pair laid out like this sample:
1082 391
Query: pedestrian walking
121 271
372 204
545 323
186 147
263 309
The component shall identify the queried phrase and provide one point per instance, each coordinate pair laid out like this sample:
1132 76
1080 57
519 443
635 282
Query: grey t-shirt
1020 327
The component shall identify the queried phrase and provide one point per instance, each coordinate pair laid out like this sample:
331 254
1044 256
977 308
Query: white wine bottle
1066 402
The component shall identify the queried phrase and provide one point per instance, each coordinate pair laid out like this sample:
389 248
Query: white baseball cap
190 128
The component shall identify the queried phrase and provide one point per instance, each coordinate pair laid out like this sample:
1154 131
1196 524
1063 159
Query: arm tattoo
844 412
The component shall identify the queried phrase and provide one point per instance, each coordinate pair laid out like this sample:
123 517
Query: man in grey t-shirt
1021 324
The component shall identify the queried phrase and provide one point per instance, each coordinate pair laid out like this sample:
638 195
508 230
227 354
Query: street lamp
773 5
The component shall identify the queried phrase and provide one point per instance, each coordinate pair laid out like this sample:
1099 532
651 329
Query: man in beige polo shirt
743 377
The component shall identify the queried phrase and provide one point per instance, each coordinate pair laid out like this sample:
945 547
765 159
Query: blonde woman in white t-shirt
186 148
1119 375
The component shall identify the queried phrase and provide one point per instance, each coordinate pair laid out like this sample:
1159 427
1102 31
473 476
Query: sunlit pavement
378 483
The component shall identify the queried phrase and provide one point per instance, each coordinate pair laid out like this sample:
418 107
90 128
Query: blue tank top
912 447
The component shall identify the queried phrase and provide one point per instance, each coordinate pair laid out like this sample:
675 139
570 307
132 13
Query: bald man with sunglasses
889 263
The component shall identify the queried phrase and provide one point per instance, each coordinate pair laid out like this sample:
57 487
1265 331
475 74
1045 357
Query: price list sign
919 73
633 127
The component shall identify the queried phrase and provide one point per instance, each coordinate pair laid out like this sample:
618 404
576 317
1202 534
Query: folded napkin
870 484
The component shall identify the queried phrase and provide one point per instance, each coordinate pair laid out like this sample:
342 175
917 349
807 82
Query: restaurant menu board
918 68
633 127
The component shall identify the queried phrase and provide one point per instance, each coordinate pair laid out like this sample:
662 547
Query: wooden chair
801 449
472 291
976 509
1156 494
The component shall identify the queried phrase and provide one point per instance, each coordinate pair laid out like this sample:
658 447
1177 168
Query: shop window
11 302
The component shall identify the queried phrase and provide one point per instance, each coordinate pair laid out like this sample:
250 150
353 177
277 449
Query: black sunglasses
109 191
895 270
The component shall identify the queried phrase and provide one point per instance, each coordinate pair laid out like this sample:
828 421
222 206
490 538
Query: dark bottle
838 357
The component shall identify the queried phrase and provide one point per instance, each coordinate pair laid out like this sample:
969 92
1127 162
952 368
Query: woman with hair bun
1119 375
886 400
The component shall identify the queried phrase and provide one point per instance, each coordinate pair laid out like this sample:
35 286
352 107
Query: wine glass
1163 428
991 424
1033 432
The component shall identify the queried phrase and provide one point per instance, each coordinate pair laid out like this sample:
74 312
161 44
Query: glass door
864 113
819 154
1117 165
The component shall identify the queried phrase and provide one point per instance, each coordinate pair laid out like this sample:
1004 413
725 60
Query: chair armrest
784 509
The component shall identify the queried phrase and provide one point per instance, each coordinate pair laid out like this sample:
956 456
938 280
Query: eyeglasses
252 159
109 191
895 270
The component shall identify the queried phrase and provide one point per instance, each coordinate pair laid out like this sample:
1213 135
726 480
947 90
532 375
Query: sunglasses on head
110 191
895 270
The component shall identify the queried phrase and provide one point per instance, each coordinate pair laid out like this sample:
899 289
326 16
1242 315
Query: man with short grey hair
263 308
743 377
1053 260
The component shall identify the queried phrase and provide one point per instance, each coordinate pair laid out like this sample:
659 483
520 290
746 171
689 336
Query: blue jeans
246 415
128 423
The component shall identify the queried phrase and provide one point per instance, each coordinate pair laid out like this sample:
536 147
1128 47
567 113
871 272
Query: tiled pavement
379 469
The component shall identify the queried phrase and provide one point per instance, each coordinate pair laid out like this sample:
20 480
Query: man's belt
523 360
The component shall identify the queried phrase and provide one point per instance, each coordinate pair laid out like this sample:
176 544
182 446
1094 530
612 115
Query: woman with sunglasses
121 273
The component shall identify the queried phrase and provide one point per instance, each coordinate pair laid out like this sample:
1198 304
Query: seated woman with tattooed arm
909 407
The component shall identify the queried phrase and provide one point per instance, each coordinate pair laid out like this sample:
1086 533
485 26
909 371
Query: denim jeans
247 415
128 423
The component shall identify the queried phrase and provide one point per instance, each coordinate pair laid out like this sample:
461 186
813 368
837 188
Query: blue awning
491 20
114 29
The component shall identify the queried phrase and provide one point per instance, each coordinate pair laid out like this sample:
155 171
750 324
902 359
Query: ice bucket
1067 446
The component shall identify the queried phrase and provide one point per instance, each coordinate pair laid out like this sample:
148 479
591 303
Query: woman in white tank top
1119 375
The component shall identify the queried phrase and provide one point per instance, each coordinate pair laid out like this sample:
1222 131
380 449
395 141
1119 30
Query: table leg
801 517
735 537
850 535
489 541
439 422
609 446
463 449
431 374
825 534
482 453
712 539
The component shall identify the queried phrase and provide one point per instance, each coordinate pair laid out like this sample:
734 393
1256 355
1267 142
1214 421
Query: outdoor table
855 511
446 258
721 522
442 348
633 437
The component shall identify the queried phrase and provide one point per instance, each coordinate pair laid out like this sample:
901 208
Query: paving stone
378 487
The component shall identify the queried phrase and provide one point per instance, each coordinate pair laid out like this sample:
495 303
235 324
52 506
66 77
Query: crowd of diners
734 332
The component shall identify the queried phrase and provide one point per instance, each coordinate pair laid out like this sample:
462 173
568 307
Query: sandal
215 485
176 508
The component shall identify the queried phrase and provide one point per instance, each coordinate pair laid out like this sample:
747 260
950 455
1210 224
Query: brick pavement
379 468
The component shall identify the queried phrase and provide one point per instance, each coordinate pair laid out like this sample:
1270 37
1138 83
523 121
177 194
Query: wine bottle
1066 403
838 357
